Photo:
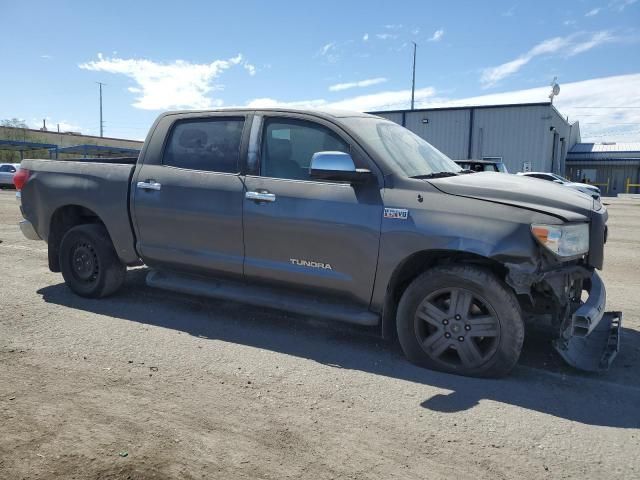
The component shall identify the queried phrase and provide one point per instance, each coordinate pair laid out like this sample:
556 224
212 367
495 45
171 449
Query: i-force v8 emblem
396 213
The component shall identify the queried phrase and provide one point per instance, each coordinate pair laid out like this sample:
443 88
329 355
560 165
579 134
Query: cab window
211 144
288 145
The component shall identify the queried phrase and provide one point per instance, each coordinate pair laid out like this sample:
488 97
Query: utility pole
413 80
101 122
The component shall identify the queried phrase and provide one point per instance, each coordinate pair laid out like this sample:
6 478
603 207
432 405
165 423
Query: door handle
260 196
149 185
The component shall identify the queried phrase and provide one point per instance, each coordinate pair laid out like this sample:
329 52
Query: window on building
211 144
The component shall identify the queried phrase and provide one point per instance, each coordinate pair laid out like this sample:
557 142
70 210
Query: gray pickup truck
340 215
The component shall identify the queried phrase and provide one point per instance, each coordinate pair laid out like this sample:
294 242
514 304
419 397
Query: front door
188 197
318 236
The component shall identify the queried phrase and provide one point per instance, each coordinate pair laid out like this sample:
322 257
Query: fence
628 184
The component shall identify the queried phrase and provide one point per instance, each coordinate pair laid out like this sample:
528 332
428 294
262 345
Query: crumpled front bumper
591 340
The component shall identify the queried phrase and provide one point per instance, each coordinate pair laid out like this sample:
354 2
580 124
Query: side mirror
336 166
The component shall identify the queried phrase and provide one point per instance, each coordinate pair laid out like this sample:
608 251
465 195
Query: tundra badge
310 263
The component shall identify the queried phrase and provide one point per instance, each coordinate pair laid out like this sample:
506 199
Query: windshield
404 150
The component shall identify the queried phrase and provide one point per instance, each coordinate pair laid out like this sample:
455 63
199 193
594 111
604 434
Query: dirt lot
153 385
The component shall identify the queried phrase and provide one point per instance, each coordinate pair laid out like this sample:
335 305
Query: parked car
590 190
7 171
483 165
341 215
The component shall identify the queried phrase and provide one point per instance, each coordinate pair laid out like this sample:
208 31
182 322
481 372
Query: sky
357 55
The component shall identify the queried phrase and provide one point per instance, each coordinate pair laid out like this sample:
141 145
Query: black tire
89 263
480 335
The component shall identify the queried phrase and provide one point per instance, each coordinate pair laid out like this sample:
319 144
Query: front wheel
89 263
461 319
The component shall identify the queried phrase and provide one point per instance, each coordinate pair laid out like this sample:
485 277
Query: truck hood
546 197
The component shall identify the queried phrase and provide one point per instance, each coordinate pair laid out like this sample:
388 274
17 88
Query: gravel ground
147 384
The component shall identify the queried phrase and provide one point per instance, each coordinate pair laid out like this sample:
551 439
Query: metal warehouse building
614 167
526 137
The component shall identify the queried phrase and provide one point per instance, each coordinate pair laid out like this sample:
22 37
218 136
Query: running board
269 297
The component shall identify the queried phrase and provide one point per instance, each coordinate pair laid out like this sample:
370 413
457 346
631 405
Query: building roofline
603 161
73 134
467 107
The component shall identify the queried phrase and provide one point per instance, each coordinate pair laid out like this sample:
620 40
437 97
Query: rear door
321 237
188 195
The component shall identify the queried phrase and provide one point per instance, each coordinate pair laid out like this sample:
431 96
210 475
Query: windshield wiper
435 175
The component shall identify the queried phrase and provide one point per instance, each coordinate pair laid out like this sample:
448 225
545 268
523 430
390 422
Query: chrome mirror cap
336 166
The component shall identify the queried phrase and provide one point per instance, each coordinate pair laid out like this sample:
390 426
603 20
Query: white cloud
393 26
163 86
601 104
362 83
47 57
329 52
510 12
386 36
327 48
365 37
377 101
437 35
250 68
570 45
568 23
620 5
597 39
593 12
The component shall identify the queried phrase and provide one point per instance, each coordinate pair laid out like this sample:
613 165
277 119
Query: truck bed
100 186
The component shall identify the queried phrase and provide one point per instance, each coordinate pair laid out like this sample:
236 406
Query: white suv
590 190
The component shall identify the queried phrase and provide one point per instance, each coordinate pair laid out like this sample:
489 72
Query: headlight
563 240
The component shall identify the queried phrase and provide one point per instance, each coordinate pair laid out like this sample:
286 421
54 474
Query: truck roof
326 113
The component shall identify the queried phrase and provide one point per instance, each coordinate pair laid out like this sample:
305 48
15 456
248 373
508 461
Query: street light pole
413 80
101 122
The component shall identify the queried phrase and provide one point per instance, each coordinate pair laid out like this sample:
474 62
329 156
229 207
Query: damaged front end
590 337
570 300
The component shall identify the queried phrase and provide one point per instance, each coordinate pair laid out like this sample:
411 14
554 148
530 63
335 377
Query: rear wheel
89 263
461 319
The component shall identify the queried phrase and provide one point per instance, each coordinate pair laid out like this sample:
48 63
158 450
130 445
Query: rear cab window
205 144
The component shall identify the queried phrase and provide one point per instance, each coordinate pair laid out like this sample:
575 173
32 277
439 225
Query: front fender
438 222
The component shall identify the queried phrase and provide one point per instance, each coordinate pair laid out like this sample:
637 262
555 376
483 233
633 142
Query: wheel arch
415 264
62 220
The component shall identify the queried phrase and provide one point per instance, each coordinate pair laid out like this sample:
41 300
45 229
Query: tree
14 123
